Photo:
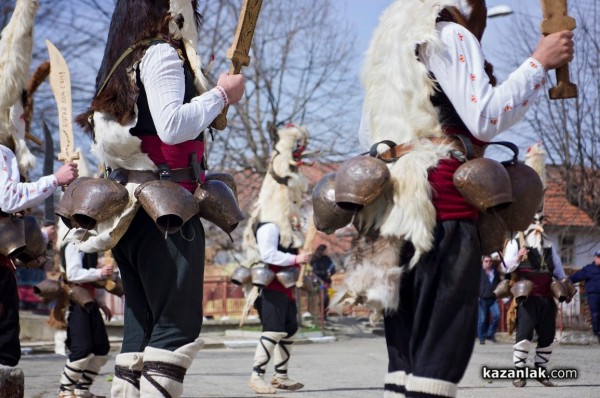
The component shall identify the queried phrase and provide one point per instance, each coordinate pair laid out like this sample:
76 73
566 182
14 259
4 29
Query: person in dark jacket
488 304
591 275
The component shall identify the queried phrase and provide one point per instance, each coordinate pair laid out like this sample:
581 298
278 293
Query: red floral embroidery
473 77
473 98
461 58
537 86
533 65
460 37
494 121
525 103
543 81
508 108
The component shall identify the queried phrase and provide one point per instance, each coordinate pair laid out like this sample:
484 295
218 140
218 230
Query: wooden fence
223 299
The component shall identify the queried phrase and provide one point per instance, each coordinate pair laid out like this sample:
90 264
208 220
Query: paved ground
353 366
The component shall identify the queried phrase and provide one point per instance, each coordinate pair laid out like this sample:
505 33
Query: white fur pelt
15 59
116 148
373 275
278 203
398 107
367 280
536 159
25 158
413 217
189 34
109 232
15 52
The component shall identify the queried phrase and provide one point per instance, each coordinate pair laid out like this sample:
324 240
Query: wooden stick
311 232
556 20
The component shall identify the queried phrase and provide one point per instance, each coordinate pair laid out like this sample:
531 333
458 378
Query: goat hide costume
398 107
113 111
280 196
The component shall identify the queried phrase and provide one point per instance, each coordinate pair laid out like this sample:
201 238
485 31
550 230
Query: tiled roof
557 209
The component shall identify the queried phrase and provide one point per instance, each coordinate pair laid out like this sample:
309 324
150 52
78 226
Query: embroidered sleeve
161 72
15 195
459 68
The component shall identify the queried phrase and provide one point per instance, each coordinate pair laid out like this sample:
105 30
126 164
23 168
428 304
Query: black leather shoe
546 382
482 341
519 382
492 339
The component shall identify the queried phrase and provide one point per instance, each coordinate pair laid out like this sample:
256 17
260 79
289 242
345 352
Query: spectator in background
324 268
322 265
489 311
591 275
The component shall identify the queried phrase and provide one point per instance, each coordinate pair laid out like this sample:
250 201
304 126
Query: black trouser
277 312
539 314
86 333
10 347
163 284
432 334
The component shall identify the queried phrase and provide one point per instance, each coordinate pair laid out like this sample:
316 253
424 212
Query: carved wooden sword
60 83
238 53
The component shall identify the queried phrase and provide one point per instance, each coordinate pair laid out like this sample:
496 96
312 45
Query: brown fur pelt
38 77
511 317
57 319
373 273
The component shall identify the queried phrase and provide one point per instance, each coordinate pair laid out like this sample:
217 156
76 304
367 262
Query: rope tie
163 369
129 375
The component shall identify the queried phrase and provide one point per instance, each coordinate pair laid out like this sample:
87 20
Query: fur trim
189 35
115 147
277 203
428 386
